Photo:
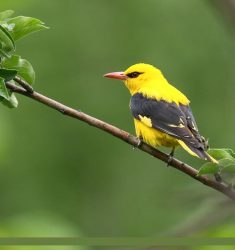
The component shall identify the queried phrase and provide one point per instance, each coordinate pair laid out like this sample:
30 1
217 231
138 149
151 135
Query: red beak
116 75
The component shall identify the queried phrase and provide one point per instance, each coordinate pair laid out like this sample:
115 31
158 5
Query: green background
60 177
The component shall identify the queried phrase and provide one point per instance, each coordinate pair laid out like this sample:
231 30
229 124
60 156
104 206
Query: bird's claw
139 143
218 177
170 158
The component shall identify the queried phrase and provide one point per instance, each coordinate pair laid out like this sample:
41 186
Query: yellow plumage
152 136
162 116
153 85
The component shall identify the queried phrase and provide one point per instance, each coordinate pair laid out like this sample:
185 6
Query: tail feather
198 152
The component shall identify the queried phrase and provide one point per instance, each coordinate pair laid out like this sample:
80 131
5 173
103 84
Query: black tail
199 152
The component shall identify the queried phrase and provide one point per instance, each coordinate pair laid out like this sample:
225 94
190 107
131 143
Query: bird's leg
140 141
170 156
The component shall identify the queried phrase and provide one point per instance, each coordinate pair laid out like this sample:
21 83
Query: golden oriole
162 115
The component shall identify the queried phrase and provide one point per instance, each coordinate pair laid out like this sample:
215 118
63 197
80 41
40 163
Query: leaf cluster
226 162
11 65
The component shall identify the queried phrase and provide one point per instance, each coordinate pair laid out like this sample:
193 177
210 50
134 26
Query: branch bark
119 133
226 8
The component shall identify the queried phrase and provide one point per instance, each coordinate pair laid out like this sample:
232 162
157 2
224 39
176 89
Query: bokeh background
60 177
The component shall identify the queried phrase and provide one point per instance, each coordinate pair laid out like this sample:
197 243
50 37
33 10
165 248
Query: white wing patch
176 126
146 121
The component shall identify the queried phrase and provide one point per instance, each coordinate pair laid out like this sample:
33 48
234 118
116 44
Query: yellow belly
153 136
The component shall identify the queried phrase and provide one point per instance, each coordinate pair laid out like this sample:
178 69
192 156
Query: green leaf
24 68
7 97
226 162
7 45
24 26
7 74
220 153
12 102
228 169
3 89
208 168
6 14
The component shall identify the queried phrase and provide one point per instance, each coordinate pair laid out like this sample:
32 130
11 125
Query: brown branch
226 8
24 84
121 134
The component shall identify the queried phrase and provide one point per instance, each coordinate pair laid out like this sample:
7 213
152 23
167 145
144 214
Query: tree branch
121 134
226 8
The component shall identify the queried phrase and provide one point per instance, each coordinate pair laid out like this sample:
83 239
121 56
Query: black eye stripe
134 74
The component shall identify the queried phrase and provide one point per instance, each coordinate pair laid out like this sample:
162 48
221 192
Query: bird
162 114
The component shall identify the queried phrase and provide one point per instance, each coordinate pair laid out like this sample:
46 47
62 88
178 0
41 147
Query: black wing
175 120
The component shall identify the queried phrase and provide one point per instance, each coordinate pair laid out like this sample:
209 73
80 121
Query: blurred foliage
85 180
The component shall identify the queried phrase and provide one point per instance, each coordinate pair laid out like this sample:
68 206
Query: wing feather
170 118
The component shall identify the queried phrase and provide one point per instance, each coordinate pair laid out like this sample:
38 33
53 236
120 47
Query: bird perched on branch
162 115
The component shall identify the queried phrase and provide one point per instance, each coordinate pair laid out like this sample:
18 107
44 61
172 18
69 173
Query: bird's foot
218 177
140 142
170 157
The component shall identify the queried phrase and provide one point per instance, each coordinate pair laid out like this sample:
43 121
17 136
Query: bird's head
137 76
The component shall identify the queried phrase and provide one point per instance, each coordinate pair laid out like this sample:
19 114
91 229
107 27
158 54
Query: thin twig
125 136
23 84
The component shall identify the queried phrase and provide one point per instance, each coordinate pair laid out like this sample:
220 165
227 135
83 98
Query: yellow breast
153 136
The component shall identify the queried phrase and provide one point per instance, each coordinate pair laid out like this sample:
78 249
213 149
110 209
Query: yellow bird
162 115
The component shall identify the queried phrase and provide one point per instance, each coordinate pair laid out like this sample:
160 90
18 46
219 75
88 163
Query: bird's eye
134 74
